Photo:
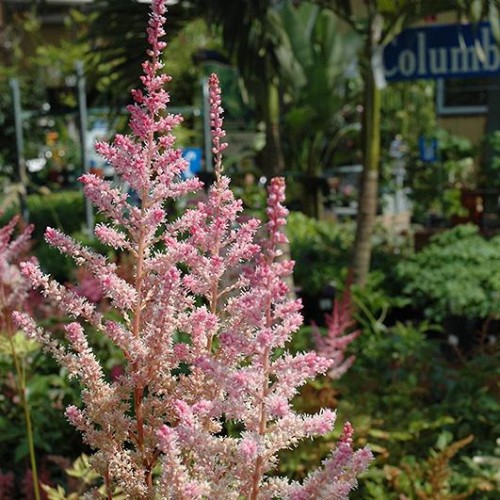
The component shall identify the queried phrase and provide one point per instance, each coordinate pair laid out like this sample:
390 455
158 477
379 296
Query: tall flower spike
276 214
216 122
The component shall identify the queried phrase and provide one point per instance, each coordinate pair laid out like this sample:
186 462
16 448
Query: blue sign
193 156
445 51
428 149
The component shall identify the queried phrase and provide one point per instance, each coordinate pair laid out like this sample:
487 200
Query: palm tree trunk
367 206
311 197
274 163
312 190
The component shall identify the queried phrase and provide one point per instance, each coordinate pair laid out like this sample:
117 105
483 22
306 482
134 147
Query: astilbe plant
339 335
14 288
203 405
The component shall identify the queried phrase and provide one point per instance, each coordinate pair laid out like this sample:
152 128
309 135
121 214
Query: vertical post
82 112
21 162
206 127
400 204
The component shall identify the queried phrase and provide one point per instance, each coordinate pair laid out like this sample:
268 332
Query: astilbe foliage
203 405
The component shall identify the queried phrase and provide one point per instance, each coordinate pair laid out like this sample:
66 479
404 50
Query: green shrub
457 274
425 417
64 210
414 408
320 249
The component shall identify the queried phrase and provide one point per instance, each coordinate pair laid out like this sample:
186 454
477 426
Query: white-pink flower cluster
14 287
203 406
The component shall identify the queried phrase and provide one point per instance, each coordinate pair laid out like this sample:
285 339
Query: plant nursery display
202 403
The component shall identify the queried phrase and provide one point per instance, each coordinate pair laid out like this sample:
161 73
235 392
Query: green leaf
476 10
57 493
81 469
22 344
444 439
22 450
389 6
494 18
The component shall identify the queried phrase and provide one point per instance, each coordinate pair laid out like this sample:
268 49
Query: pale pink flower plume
14 287
203 324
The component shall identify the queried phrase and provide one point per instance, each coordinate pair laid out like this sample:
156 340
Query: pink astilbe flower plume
203 324
14 296
13 287
339 335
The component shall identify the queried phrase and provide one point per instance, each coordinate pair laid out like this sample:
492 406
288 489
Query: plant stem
21 386
266 366
139 391
107 483
136 327
259 462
